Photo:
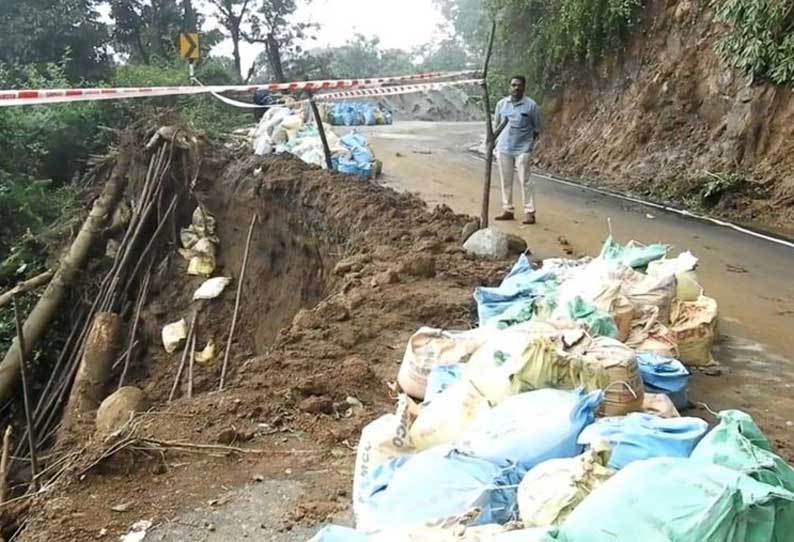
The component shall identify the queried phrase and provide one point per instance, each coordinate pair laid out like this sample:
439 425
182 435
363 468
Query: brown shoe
506 215
529 219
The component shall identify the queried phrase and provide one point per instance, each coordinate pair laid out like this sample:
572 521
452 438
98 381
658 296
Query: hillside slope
668 120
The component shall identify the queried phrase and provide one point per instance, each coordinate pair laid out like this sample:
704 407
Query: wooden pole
34 465
22 287
4 464
490 139
321 129
237 302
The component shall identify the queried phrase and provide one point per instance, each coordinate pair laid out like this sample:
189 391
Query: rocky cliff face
668 120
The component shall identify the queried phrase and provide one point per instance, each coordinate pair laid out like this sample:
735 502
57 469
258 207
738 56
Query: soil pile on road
341 272
450 104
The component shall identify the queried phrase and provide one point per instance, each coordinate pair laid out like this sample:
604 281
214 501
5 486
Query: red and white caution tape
50 96
387 91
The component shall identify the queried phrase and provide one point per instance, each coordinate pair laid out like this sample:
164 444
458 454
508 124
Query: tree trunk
88 389
45 309
274 58
190 18
238 66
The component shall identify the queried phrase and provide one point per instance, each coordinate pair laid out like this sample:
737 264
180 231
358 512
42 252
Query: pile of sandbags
558 419
283 129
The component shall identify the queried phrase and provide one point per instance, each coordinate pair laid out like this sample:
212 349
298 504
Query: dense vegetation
760 37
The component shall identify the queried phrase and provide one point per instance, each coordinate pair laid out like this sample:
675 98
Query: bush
760 37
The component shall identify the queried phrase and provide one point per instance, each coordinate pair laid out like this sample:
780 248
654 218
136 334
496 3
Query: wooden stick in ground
237 302
22 287
321 129
185 353
34 466
45 309
4 465
135 319
190 365
490 140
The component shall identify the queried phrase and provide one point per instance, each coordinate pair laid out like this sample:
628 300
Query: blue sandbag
442 484
643 436
664 375
521 285
335 533
531 427
360 162
441 377
356 114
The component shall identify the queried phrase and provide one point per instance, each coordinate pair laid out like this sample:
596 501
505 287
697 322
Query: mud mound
450 104
341 273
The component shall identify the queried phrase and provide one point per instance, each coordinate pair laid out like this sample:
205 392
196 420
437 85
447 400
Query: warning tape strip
386 91
49 96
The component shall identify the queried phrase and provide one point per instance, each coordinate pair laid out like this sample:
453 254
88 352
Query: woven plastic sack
641 436
664 375
694 326
679 500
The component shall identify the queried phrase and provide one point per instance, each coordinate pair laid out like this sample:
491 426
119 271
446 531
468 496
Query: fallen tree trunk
90 383
45 309
22 287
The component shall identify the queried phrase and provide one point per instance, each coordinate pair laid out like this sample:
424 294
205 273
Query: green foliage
760 37
37 32
547 41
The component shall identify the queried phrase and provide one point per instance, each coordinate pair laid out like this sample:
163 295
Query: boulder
117 409
470 227
515 244
488 243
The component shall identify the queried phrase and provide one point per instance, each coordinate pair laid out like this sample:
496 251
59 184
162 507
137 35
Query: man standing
515 147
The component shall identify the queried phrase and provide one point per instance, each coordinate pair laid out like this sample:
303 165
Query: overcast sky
400 24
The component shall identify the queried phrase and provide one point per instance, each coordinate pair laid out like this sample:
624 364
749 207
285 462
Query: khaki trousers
508 165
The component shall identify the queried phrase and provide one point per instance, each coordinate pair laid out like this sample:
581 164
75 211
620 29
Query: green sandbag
598 322
737 443
679 500
632 255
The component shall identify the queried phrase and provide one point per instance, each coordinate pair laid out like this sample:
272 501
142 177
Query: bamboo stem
22 287
237 302
34 466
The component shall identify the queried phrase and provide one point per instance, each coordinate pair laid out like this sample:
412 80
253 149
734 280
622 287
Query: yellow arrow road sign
189 46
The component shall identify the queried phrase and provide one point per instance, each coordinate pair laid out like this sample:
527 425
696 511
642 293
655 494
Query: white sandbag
550 491
211 288
381 441
651 291
430 347
173 335
448 416
694 326
683 268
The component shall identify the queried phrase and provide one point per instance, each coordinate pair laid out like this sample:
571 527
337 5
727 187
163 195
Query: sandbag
441 377
381 441
532 427
597 322
660 405
679 500
613 366
648 335
444 487
457 533
641 436
633 254
682 268
429 347
622 312
737 443
448 416
664 375
651 291
694 326
519 286
551 490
